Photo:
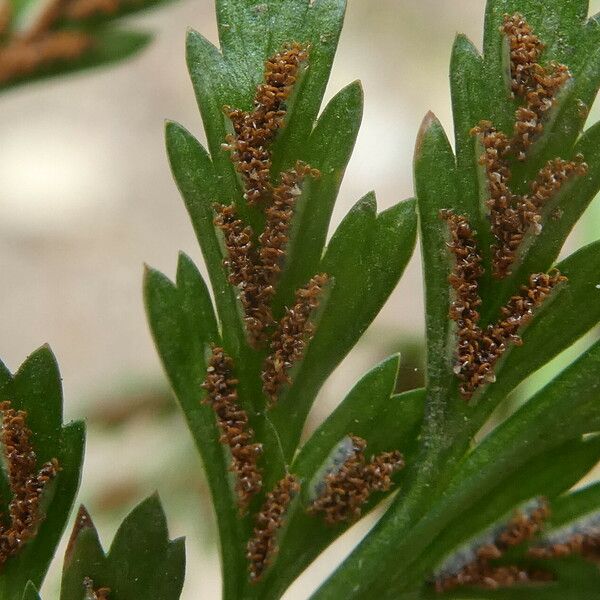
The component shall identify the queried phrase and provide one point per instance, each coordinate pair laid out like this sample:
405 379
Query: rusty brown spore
465 274
27 484
534 83
291 337
478 350
255 293
482 573
102 593
220 385
513 216
255 269
262 546
279 214
496 337
255 130
348 488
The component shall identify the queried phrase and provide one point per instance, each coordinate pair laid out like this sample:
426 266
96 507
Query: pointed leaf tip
428 121
83 521
30 592
367 203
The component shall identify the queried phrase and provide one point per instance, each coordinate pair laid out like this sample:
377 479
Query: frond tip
255 267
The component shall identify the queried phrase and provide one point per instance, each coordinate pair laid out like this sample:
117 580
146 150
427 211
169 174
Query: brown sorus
479 349
255 293
254 130
279 214
348 488
220 385
27 484
255 271
581 543
262 546
291 337
513 216
482 573
532 82
102 593
464 309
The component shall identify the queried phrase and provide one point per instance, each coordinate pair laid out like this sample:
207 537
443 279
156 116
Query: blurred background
86 197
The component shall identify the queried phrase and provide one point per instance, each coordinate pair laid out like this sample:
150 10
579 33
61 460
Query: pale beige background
86 198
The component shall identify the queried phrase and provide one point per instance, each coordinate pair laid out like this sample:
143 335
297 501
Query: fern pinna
492 518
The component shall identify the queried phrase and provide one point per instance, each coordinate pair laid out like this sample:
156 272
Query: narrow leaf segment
479 349
480 571
514 215
349 485
27 484
255 265
221 394
262 546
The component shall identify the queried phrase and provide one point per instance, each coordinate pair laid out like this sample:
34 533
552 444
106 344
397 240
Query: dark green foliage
182 338
539 451
364 259
36 388
141 563
30 593
459 484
